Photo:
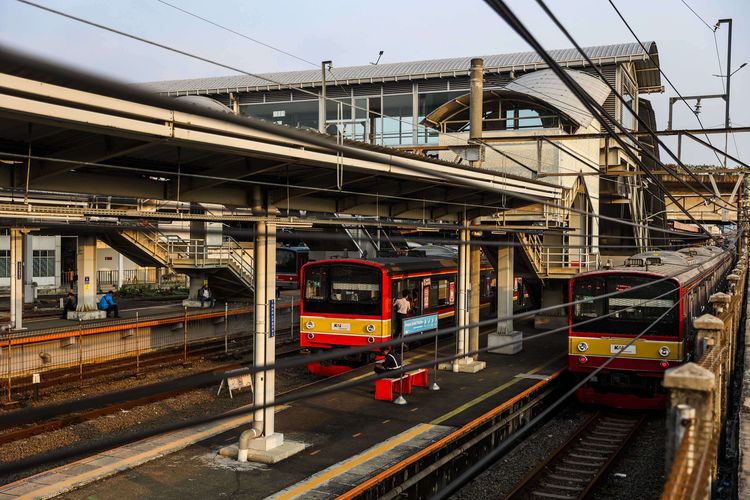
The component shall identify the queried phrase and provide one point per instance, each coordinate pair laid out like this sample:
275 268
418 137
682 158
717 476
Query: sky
352 33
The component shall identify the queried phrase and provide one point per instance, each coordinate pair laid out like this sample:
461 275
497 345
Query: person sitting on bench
108 304
206 295
70 305
391 361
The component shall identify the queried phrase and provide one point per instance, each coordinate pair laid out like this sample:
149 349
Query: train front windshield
343 289
629 311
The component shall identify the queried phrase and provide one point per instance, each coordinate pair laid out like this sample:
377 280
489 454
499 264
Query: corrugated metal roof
434 68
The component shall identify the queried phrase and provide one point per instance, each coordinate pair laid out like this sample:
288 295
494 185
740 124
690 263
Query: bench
385 388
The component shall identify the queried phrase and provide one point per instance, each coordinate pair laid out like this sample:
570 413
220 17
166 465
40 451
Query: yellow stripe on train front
345 326
640 349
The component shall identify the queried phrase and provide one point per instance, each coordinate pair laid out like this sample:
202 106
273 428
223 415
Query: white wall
39 243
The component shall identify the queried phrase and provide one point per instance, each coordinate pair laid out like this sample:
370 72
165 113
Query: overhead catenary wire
641 122
632 32
359 153
602 115
697 15
492 147
334 190
484 462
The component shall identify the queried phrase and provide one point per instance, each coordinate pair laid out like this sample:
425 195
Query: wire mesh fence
119 347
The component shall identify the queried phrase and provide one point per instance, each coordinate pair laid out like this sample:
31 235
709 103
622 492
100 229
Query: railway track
66 414
572 471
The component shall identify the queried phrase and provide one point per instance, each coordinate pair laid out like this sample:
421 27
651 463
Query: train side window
414 286
443 291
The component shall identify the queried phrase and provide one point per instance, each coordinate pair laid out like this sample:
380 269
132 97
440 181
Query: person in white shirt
403 306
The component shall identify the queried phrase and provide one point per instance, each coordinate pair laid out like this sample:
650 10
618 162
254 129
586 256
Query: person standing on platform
205 295
108 304
403 306
391 360
70 305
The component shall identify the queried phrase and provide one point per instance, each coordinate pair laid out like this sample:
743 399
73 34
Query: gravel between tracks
637 473
503 475
198 403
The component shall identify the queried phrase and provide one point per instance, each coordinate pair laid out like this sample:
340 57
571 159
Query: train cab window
355 284
586 290
315 280
347 289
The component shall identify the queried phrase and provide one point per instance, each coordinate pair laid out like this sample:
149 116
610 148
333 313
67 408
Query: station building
528 118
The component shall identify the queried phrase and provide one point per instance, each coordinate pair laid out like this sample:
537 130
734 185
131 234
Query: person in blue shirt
107 303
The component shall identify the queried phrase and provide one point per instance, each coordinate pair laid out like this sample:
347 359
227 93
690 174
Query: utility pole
729 83
323 100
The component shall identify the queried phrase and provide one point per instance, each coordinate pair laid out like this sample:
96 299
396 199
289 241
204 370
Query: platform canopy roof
646 63
64 131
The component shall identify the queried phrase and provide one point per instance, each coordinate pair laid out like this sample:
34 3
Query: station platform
349 437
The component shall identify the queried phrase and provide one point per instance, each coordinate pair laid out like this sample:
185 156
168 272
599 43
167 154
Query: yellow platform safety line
392 443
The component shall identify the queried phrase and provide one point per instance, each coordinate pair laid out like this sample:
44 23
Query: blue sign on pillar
272 317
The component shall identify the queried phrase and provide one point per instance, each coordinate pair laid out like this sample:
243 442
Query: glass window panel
302 114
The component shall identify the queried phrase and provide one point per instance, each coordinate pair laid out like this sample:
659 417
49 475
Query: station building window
4 263
301 114
43 263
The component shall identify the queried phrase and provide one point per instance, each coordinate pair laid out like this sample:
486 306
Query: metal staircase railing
196 254
532 245
173 251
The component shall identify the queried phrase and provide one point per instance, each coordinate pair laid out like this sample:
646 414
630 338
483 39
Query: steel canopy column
506 340
16 279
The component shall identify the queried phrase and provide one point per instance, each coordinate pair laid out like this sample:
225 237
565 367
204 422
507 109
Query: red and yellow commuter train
349 302
677 286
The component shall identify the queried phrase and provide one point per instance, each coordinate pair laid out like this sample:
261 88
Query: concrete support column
16 279
463 291
476 262
505 340
86 274
464 363
120 271
28 269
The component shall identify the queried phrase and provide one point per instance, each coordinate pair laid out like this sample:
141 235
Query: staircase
565 263
230 266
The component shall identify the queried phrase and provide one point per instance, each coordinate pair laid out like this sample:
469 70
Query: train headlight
664 351
309 325
582 347
370 328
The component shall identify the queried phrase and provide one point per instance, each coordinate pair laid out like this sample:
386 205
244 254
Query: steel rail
574 468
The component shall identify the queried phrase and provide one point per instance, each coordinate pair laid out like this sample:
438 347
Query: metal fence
127 346
699 394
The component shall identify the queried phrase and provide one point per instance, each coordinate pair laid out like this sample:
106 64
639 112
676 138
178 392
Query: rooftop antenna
380 54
